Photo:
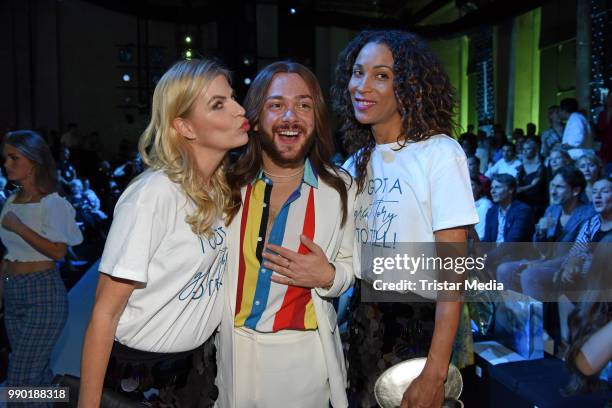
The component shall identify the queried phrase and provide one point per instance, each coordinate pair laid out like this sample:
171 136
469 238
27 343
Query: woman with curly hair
396 105
164 259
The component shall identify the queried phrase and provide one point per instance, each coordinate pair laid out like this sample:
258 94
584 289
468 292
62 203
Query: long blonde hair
163 148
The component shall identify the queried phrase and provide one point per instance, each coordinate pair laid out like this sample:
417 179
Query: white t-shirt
411 193
577 134
504 167
53 218
180 303
482 206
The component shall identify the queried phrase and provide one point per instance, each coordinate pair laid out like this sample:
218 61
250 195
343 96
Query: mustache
292 127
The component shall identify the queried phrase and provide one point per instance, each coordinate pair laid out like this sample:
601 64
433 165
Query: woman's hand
311 270
571 270
11 222
424 392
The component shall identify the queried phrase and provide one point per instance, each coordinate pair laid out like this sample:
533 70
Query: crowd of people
260 244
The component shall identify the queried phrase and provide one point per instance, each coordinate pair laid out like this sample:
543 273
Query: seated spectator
594 229
590 326
551 136
509 220
508 164
558 158
531 132
468 141
483 150
127 171
3 195
91 220
482 206
65 170
92 200
518 138
474 168
577 135
592 167
561 223
566 211
499 140
531 179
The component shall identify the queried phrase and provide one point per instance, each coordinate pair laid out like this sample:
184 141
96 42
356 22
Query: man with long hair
293 244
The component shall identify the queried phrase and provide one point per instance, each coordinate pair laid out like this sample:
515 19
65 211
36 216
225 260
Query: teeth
366 103
289 133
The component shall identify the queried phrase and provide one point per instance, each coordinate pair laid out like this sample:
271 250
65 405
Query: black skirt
185 379
380 336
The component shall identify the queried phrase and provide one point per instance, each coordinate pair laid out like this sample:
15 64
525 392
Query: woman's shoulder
442 141
54 199
149 188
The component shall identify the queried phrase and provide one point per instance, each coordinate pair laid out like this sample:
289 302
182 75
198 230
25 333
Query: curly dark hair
425 96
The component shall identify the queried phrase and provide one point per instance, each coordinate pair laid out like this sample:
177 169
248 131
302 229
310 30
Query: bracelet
331 282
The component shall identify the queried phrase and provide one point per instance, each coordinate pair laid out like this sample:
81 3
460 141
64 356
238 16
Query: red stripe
241 265
292 312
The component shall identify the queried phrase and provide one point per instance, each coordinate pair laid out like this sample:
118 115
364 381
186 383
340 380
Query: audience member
508 164
552 136
509 220
558 158
577 132
604 131
70 139
531 132
474 168
482 206
531 179
591 167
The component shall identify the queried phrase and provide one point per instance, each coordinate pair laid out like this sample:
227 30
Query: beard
278 157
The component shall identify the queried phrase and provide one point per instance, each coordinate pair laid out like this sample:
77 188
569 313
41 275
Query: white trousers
280 370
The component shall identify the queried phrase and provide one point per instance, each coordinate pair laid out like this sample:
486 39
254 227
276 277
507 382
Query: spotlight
126 78
188 39
246 61
292 11
188 54
247 81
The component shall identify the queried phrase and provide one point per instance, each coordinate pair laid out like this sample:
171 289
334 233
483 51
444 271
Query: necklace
299 172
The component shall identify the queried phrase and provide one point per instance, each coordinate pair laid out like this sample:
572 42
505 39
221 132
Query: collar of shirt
310 175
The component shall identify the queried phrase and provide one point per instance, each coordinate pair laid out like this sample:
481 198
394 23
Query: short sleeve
58 221
134 236
452 201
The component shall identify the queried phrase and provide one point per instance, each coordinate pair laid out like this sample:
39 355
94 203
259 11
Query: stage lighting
292 11
126 78
188 54
188 39
247 81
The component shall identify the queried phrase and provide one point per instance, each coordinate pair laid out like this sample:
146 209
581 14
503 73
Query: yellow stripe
249 250
310 319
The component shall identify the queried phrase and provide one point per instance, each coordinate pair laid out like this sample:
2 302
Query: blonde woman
158 299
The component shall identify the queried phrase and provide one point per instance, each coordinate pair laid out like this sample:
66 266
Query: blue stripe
262 290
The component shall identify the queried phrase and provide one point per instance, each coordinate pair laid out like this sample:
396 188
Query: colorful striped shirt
261 304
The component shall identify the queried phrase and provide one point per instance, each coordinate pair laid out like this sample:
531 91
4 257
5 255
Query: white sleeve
134 236
452 201
574 132
493 169
58 221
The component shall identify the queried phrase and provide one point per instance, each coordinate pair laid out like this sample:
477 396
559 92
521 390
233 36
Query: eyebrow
375 66
282 97
217 97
